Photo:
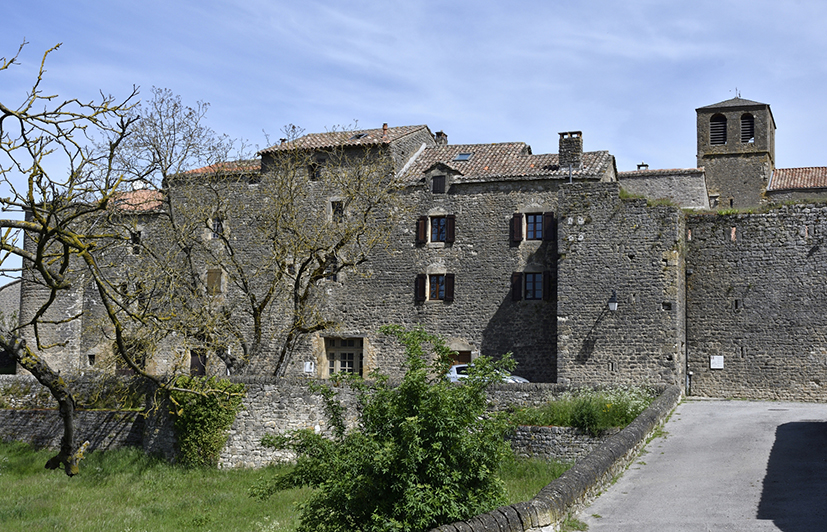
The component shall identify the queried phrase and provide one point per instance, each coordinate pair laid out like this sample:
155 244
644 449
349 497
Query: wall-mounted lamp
613 301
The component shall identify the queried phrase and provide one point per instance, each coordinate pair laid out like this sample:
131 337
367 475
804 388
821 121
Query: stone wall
684 187
44 428
564 444
611 244
756 286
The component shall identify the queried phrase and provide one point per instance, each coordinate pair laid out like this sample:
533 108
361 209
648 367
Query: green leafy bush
426 453
591 410
204 409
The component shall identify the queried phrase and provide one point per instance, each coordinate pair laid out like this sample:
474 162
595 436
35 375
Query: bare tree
243 251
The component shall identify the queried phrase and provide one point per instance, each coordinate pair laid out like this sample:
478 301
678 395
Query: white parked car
460 371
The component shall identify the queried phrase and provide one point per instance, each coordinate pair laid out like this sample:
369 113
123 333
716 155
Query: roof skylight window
463 156
358 136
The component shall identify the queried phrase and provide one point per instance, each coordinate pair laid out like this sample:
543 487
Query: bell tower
736 147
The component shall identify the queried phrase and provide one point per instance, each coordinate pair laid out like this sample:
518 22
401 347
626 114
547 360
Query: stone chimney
441 138
385 130
571 149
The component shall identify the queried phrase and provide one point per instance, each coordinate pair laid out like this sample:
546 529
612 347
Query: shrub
426 452
591 410
204 409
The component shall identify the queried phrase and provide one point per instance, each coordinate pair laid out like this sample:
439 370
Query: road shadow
794 495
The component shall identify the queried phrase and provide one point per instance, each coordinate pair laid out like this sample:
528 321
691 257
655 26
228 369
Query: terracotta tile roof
659 171
144 200
362 137
798 178
243 166
505 160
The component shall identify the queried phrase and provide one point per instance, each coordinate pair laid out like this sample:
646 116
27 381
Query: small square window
344 356
534 226
438 184
534 285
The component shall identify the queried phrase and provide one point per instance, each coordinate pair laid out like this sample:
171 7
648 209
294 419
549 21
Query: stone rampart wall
611 244
756 288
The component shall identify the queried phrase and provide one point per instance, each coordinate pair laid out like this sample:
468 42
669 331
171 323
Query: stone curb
582 483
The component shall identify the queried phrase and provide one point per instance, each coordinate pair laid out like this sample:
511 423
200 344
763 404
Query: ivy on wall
203 409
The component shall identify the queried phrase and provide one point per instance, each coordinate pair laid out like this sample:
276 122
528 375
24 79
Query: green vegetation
525 477
124 490
591 410
203 415
426 453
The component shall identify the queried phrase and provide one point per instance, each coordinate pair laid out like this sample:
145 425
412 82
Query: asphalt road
725 465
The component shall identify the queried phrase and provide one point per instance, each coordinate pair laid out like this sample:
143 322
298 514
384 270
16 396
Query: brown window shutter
450 226
422 230
517 227
419 287
547 286
449 287
549 226
516 286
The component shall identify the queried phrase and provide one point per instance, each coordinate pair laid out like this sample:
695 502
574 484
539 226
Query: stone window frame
346 357
214 281
718 130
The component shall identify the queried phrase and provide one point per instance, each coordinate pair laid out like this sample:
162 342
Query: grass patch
590 410
525 477
125 490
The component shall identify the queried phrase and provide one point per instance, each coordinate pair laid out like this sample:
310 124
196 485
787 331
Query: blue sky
628 74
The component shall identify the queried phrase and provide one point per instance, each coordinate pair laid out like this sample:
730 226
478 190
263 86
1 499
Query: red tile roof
144 200
504 160
243 166
363 137
798 178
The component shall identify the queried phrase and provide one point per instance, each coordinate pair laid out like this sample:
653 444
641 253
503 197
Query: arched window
717 130
747 128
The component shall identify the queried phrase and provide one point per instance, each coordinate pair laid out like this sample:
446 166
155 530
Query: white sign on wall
716 362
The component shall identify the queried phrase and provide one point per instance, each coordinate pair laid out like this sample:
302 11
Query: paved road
725 465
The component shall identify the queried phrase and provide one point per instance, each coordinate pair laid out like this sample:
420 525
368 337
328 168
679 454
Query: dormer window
463 156
717 130
747 128
438 184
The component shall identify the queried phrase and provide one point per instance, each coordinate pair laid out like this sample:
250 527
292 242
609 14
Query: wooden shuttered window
516 286
549 226
449 287
450 228
422 230
438 184
548 286
517 227
419 288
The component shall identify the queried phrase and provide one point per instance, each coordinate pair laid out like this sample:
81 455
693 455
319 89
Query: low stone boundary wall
44 428
580 484
564 444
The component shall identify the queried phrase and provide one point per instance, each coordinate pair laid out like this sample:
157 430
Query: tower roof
733 102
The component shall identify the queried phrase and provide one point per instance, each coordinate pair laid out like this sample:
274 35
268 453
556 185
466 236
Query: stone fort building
503 250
